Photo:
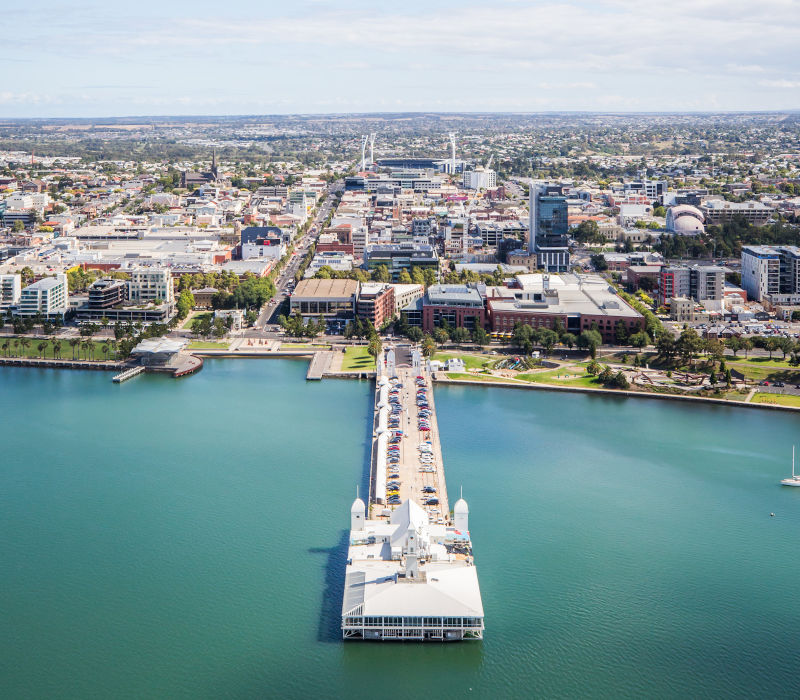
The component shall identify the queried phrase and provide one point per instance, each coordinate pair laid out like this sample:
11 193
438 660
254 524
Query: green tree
590 340
639 340
428 345
771 345
620 381
414 334
593 368
480 336
441 336
18 227
404 277
460 336
734 344
621 333
688 345
374 347
785 345
381 274
185 303
74 342
547 339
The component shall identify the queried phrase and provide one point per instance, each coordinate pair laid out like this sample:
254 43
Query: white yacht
794 480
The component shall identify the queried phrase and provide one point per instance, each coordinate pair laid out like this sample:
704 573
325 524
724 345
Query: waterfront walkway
62 364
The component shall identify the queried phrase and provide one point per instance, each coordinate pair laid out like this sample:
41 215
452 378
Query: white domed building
685 220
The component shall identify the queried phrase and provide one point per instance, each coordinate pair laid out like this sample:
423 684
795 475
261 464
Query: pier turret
358 513
412 565
461 515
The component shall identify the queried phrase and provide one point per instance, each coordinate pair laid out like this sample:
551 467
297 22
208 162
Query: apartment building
10 290
698 282
48 297
771 274
150 284
376 302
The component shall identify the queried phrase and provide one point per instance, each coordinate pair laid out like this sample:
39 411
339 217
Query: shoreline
615 392
370 374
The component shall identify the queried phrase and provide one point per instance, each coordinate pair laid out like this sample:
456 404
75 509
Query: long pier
410 571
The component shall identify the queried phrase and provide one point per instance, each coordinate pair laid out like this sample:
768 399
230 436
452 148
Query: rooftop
461 294
325 289
564 294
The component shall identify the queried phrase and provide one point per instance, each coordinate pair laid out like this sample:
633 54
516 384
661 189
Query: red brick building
577 302
376 302
456 305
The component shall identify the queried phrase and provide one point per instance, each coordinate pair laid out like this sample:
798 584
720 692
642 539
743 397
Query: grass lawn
551 377
477 377
189 324
15 349
759 371
734 396
776 399
207 345
470 361
357 359
305 346
776 361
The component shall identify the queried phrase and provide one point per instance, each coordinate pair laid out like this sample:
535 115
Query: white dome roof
685 219
460 506
358 506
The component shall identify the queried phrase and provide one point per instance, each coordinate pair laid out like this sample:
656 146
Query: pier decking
410 572
129 373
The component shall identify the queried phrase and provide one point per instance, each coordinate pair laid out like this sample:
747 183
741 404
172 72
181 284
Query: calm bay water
184 538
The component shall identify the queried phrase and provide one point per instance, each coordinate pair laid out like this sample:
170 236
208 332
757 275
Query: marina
410 571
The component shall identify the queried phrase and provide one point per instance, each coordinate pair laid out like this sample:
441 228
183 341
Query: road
269 312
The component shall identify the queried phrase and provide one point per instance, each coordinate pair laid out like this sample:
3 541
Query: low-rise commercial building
454 306
325 297
405 294
401 256
579 302
717 211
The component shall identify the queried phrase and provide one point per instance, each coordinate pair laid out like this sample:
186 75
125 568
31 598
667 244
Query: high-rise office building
548 227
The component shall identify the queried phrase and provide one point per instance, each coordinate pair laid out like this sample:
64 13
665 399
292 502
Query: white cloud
783 84
611 54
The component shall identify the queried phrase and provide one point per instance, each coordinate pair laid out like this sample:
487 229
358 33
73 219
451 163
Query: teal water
183 539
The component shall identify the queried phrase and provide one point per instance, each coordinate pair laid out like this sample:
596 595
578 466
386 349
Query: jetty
319 364
127 374
410 572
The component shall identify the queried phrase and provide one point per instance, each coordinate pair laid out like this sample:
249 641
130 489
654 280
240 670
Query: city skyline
156 59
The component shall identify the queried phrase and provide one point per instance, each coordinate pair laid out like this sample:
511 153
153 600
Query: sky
172 57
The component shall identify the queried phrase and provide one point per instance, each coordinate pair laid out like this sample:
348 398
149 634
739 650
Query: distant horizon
430 112
358 57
